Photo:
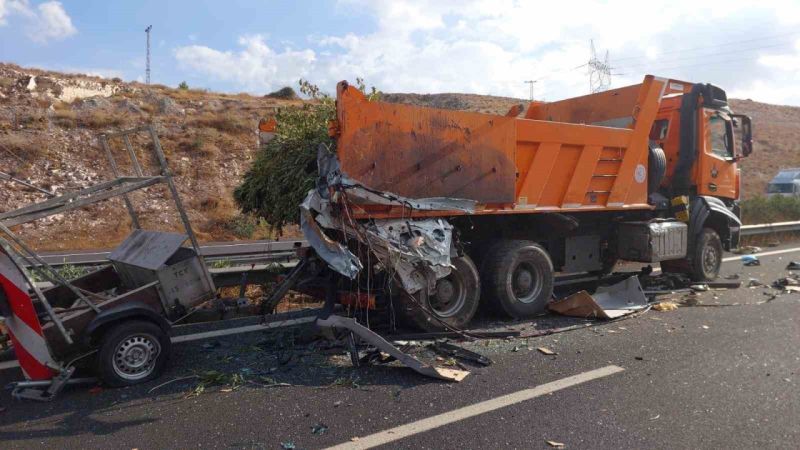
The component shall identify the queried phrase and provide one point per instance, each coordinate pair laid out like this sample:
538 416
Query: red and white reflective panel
23 324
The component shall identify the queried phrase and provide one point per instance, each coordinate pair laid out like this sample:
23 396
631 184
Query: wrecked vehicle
116 319
426 213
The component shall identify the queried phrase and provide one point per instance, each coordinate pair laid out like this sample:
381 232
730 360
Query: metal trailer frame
25 257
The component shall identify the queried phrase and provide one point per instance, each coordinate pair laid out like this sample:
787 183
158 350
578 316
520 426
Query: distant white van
786 183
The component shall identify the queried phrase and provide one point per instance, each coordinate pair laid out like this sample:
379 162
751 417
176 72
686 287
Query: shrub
65 118
284 93
24 147
183 86
768 210
285 169
223 122
100 119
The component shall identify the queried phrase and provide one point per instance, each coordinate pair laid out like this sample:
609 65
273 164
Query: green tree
285 169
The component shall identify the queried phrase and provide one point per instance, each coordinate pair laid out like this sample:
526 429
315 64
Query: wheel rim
710 259
135 357
449 296
526 282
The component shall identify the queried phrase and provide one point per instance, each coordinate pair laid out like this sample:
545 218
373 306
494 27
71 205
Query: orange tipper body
584 153
460 208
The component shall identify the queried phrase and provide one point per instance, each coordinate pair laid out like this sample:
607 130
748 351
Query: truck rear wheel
132 352
452 303
518 277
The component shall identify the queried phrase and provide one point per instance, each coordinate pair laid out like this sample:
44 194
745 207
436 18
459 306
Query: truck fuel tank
652 241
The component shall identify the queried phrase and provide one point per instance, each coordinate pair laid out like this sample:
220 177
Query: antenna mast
531 83
147 72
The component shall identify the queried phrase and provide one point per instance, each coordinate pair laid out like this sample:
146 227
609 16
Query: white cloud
52 23
48 21
781 85
8 7
491 46
255 67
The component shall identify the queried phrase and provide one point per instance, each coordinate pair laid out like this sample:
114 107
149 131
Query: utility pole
531 83
147 71
599 72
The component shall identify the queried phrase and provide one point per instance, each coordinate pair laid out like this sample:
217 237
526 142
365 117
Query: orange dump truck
435 211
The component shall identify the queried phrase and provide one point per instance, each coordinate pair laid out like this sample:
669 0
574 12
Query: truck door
717 168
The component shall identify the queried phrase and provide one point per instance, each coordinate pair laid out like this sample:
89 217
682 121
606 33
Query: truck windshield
718 129
782 188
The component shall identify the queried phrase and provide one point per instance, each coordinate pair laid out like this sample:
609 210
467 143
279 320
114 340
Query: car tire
132 352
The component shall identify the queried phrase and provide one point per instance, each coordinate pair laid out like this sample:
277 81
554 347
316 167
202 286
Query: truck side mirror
743 127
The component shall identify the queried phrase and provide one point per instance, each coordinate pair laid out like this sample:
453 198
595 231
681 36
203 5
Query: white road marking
420 426
210 334
239 330
770 253
9 364
739 257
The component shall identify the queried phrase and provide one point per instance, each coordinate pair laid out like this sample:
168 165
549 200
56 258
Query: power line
706 47
709 55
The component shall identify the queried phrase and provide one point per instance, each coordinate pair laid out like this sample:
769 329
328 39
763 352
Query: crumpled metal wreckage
608 302
404 245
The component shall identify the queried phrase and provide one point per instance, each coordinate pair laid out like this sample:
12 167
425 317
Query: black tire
657 168
132 352
705 261
462 290
707 256
518 278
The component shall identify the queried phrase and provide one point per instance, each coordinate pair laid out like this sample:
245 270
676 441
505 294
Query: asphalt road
725 374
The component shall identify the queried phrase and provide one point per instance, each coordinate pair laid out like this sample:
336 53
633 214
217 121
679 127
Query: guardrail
250 252
258 252
767 228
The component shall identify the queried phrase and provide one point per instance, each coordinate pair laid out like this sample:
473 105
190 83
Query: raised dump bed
586 153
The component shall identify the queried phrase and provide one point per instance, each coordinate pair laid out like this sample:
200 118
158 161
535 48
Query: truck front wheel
452 303
706 258
518 276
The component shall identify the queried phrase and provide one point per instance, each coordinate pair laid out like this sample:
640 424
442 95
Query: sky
750 49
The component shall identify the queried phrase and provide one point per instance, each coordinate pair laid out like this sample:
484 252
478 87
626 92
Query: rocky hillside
49 123
48 128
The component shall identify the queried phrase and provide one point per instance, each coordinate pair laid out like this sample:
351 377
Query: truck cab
714 137
702 142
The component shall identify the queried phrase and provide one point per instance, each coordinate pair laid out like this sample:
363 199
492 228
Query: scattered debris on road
793 265
747 250
750 260
319 429
555 444
608 302
546 351
454 351
665 306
